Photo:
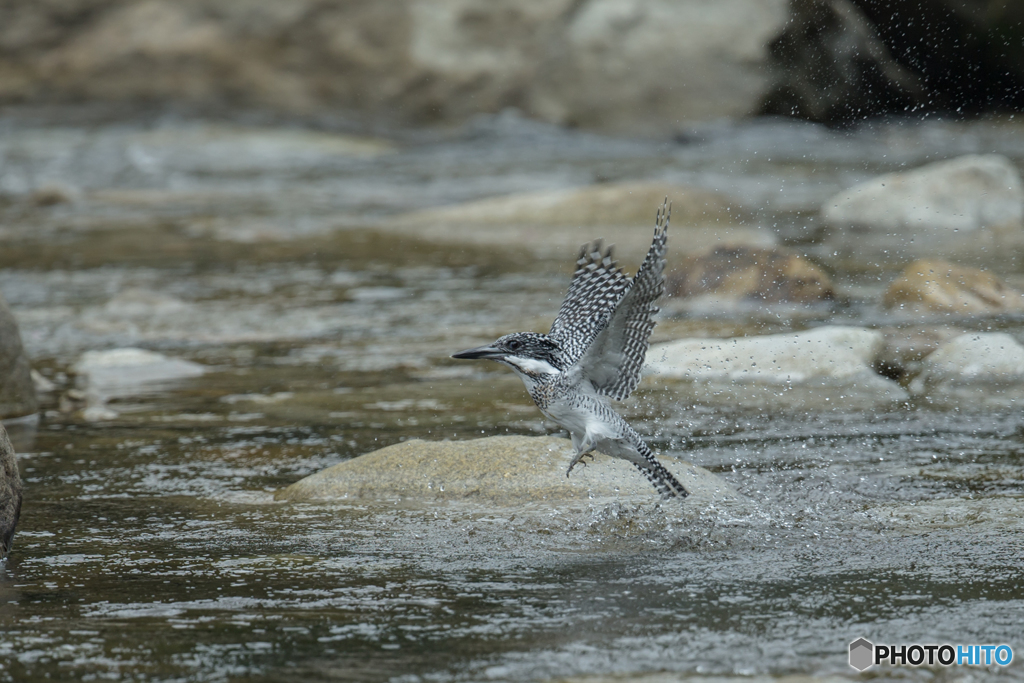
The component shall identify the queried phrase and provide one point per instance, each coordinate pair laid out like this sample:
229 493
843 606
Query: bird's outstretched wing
597 286
613 360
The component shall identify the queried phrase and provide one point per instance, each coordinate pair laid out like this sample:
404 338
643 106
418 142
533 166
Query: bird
593 354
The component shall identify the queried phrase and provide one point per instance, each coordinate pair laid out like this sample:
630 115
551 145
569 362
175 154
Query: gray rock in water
17 391
945 200
10 493
505 470
821 368
977 366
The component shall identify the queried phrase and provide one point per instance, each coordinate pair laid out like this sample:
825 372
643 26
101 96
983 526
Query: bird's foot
580 459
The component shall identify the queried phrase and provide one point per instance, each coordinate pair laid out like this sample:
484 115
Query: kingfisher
594 353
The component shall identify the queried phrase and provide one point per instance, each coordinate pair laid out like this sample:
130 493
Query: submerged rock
118 372
559 220
973 202
741 273
978 365
508 470
17 390
992 514
104 375
10 493
824 367
935 286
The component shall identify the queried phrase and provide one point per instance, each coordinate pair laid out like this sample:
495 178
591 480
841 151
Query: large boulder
10 493
17 390
603 63
557 221
736 273
828 367
936 286
647 65
937 200
504 470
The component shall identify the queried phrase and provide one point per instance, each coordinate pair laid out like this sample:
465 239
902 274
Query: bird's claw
578 460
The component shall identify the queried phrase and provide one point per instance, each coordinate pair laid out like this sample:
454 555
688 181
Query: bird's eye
515 345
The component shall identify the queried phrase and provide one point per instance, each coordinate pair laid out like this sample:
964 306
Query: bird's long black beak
479 352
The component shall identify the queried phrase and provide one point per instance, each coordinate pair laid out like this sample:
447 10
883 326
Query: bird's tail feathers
663 480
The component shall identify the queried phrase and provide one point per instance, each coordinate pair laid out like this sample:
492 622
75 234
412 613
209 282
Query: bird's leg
583 448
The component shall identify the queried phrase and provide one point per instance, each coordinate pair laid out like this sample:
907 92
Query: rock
983 359
825 352
53 194
10 493
605 204
613 64
646 65
625 65
556 222
741 273
41 384
935 286
906 347
821 368
17 391
831 66
104 375
933 202
72 401
504 470
124 371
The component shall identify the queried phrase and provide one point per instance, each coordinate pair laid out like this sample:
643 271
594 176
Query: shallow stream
151 548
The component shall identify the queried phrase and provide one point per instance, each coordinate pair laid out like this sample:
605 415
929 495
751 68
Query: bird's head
528 353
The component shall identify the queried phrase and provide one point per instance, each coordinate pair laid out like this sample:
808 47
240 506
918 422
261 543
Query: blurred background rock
628 66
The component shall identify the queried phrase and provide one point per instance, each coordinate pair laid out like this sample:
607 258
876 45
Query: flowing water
151 547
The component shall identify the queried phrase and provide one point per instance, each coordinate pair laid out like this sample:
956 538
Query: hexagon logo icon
862 654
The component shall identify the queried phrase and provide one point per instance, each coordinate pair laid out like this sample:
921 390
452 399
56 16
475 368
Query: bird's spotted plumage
594 352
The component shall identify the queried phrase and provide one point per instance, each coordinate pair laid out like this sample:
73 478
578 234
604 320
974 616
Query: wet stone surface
151 546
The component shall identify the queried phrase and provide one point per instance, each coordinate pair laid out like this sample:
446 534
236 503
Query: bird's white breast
579 420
